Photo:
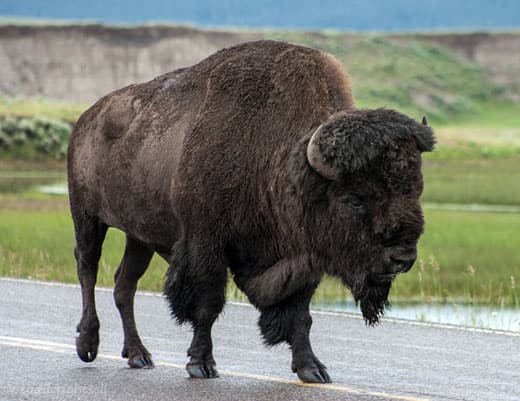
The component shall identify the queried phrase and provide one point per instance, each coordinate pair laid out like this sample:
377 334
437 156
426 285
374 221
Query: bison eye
354 203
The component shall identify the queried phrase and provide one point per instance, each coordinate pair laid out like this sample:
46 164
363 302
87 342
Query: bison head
360 193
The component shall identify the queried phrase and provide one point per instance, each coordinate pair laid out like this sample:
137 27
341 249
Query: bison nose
403 261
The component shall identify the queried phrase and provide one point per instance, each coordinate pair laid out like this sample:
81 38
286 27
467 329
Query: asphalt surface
398 360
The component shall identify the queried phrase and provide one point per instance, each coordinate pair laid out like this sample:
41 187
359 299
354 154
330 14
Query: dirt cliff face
83 62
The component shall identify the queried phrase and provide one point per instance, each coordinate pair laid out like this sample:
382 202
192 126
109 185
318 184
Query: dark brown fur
207 166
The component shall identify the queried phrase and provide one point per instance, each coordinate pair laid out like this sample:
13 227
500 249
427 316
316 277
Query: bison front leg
291 321
304 363
195 285
283 294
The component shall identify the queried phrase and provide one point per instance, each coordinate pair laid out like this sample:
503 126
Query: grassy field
20 107
451 180
466 256
463 257
44 250
473 181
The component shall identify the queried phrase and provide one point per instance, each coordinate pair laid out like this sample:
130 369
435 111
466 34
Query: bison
253 160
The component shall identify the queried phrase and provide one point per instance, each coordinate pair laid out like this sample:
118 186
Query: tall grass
487 181
463 257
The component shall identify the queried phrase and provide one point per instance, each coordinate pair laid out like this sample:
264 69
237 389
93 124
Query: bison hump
117 115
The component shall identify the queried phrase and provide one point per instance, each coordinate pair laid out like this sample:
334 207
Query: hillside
423 74
444 76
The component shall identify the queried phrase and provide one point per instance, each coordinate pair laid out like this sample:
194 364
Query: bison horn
315 158
424 121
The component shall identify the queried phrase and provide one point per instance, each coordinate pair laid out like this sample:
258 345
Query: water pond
457 314
31 181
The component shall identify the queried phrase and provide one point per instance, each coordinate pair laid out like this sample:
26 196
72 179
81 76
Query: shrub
34 137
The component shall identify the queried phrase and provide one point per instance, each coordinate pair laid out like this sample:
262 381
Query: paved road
396 361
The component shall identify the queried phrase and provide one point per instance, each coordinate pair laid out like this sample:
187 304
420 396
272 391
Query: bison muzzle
253 160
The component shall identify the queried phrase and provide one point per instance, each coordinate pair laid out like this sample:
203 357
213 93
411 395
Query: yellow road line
51 346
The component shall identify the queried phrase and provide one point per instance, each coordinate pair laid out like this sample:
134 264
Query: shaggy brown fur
208 166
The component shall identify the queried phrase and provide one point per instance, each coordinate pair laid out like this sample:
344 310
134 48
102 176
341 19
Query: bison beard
373 300
371 296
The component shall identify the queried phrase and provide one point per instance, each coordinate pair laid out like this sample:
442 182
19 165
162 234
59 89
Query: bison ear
424 137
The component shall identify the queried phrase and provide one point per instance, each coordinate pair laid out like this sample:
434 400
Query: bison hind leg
135 261
90 234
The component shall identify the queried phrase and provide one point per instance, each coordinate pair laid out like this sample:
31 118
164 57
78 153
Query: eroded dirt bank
83 62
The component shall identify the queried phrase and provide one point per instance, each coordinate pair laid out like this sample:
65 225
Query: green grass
39 244
497 115
40 107
487 181
451 180
464 257
43 166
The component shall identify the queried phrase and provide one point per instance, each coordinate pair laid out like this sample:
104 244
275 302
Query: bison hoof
202 370
313 375
138 358
87 345
141 362
311 371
